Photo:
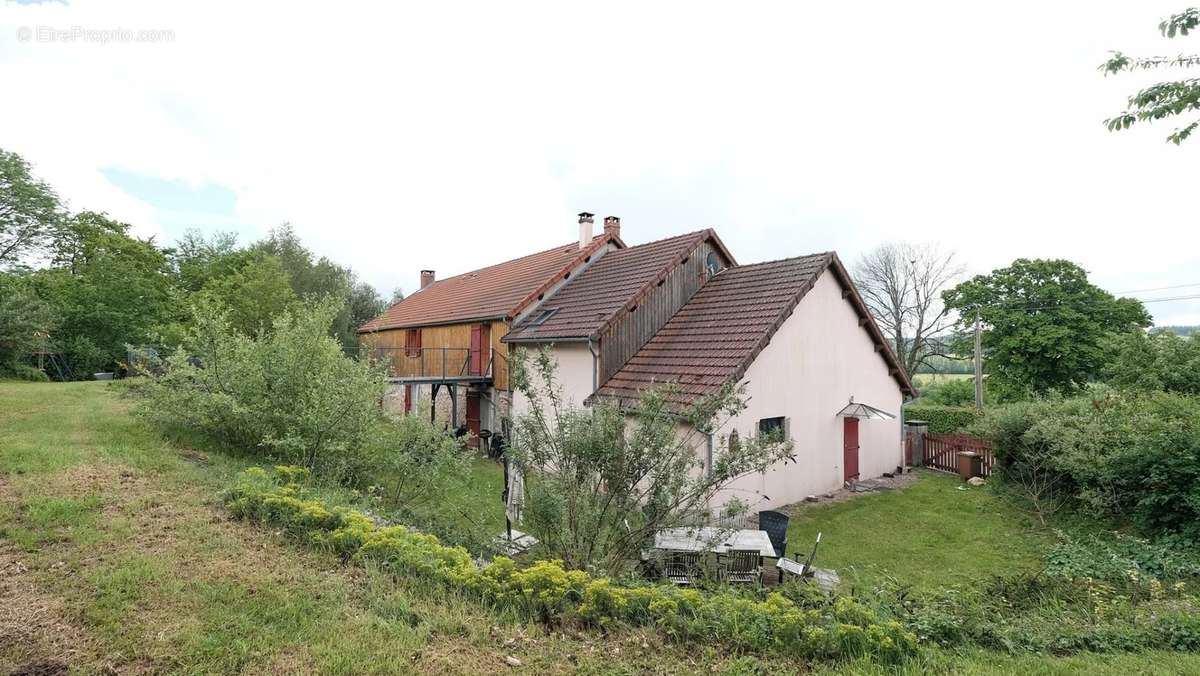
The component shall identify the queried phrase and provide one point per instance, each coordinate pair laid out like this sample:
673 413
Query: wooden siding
456 338
633 329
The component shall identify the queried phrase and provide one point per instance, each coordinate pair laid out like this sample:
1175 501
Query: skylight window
546 314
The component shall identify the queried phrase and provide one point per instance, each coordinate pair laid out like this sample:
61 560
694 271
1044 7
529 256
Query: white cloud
451 136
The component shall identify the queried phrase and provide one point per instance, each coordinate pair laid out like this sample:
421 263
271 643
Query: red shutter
408 399
476 366
412 343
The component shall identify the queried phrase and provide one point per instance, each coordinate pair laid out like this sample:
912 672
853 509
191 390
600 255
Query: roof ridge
750 266
510 260
664 239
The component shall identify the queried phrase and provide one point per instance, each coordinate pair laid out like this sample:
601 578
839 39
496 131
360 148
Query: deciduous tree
29 211
1044 323
902 284
602 481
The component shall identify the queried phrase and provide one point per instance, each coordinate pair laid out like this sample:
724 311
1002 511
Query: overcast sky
396 137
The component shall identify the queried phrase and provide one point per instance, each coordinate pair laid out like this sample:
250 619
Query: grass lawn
116 556
937 531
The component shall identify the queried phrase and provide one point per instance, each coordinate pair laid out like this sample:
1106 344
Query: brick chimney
585 229
612 226
426 278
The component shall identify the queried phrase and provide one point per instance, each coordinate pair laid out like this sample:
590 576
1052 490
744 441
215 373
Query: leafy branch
1164 99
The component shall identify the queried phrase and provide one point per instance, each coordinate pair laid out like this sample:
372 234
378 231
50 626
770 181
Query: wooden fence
941 451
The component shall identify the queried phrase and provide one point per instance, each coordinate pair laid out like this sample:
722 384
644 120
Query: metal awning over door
864 412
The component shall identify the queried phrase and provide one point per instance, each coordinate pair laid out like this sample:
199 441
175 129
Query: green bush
1123 456
23 372
1116 557
943 419
817 626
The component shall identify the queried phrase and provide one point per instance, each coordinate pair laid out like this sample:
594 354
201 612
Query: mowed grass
935 532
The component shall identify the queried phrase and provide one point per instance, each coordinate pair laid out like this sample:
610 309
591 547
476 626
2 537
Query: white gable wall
815 362
574 374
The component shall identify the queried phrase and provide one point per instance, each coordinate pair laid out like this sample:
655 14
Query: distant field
927 379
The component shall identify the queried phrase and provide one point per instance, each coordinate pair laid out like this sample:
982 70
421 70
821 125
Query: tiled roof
714 338
586 303
498 291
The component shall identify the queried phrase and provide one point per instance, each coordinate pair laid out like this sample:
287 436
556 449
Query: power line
1158 288
1071 304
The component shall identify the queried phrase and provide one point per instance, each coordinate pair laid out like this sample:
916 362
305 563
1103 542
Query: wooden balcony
435 364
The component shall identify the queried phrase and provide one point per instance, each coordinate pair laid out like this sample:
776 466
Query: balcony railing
434 364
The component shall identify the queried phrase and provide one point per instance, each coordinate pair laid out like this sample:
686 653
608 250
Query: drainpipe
709 453
595 360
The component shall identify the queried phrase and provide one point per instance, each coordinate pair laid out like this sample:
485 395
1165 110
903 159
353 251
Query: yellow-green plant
549 592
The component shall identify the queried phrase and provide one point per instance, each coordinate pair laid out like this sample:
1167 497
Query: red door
473 418
850 448
481 338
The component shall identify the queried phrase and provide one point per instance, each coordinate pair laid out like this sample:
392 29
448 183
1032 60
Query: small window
713 264
545 315
734 443
776 427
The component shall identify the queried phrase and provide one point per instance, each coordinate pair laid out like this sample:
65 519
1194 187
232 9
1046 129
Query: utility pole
978 365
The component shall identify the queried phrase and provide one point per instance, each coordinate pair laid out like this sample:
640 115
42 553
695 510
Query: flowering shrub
829 628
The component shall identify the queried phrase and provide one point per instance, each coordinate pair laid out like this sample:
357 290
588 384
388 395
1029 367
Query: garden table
712 539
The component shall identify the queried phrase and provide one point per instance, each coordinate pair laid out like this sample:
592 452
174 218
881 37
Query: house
444 341
619 319
814 365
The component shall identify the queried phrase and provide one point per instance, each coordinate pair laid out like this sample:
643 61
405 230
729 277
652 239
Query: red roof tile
715 337
585 304
493 292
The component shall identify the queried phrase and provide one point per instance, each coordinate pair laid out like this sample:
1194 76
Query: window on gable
412 343
712 264
776 427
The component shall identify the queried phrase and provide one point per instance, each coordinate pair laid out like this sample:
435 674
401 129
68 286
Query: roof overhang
546 339
448 322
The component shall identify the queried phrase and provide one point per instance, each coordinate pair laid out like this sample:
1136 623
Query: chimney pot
427 277
585 229
612 226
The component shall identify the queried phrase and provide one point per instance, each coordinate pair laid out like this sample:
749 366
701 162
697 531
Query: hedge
943 419
799 622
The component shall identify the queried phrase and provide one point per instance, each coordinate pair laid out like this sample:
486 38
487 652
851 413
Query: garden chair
775 524
682 568
740 566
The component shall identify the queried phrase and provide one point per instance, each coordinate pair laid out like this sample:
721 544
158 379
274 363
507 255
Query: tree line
78 288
